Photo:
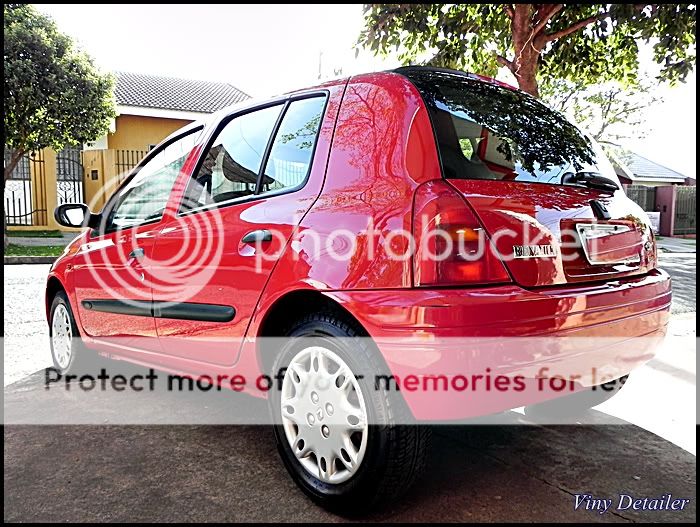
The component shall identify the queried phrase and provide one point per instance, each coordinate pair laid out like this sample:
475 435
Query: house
635 169
669 197
149 109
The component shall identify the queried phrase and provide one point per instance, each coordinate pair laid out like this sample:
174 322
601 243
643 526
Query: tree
609 112
583 42
54 95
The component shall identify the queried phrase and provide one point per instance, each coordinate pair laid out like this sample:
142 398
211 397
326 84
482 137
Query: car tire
394 452
67 351
577 403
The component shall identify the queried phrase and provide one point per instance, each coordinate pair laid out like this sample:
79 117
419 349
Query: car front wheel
67 351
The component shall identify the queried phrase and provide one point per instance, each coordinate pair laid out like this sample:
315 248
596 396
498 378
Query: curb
17 260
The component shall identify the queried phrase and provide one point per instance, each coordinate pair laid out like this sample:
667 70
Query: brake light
452 247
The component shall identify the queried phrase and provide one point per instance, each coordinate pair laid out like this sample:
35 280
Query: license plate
606 244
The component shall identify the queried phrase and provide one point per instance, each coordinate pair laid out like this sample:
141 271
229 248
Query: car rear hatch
545 193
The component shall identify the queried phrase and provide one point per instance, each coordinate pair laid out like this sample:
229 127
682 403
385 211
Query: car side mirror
76 215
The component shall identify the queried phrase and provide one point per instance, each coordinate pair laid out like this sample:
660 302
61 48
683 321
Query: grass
34 234
39 250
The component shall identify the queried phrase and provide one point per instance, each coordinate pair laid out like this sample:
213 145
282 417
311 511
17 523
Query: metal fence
125 161
25 191
643 196
70 187
685 211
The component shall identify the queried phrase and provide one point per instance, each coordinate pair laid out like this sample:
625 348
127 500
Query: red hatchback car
418 225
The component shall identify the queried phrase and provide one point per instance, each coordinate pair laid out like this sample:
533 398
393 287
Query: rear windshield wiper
590 180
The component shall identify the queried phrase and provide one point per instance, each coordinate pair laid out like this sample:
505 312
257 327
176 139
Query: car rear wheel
345 443
68 354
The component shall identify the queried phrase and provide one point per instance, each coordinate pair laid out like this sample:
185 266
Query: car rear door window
291 152
232 163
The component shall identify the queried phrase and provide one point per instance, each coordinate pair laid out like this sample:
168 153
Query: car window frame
134 172
285 103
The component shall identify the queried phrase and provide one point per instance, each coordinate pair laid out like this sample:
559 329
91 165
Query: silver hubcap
324 414
61 336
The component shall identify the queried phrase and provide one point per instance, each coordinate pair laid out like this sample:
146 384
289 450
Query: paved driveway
503 473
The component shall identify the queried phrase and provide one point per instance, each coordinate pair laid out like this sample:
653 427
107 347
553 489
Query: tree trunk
14 160
527 77
6 239
526 48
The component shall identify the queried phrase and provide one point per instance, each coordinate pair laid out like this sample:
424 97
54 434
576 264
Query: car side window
231 165
290 155
144 197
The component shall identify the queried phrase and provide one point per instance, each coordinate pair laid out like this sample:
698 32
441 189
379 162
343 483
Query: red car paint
375 150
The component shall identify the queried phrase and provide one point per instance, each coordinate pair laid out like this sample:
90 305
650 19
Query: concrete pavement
64 240
478 474
676 245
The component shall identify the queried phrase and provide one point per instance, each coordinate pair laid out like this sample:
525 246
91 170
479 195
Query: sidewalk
676 245
39 242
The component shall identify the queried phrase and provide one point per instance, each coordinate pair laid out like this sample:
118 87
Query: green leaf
54 95
470 36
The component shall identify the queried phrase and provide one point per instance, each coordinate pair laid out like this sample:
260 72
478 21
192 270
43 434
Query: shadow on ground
232 473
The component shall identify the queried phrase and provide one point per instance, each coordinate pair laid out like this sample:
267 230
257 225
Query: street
233 473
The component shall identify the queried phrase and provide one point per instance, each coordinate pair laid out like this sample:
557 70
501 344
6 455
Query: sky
270 49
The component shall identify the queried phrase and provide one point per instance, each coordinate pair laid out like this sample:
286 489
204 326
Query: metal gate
70 187
25 191
685 211
125 161
643 196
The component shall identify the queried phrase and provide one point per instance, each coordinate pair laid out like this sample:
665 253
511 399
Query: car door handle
262 235
137 253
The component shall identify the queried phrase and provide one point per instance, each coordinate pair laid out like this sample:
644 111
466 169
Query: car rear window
487 131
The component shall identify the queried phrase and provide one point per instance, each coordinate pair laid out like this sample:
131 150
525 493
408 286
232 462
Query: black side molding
178 311
192 311
136 308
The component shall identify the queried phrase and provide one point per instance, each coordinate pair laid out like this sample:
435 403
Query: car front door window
144 197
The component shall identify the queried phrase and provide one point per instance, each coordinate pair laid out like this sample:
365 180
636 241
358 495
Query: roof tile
150 91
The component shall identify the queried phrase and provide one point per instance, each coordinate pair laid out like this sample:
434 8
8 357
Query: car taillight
452 247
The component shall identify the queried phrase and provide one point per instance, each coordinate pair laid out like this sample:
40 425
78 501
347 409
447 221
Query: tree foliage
609 112
54 95
586 43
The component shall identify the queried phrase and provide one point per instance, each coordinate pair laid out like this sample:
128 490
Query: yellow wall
136 132
133 132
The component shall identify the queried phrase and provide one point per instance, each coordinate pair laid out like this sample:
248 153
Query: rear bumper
453 343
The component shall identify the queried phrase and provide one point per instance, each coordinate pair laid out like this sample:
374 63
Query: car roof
405 71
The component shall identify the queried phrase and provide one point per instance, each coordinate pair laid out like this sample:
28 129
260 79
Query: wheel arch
53 286
300 302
